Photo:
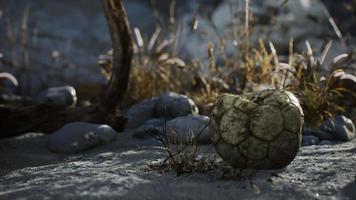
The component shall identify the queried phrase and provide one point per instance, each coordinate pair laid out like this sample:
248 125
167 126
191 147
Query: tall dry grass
158 68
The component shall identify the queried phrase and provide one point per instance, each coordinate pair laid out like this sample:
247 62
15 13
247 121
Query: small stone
172 105
152 126
341 128
321 135
325 142
79 136
60 96
309 140
183 130
138 114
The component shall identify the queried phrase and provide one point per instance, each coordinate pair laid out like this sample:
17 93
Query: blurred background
46 43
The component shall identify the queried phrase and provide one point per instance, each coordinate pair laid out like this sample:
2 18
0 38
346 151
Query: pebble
152 126
309 140
79 136
59 96
172 105
138 114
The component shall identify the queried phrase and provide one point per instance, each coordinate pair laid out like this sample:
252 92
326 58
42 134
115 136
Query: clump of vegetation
318 92
182 157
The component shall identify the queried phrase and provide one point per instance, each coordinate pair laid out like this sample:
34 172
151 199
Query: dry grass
157 69
318 92
182 156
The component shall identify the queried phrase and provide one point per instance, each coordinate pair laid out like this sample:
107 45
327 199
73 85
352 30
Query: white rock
61 96
79 136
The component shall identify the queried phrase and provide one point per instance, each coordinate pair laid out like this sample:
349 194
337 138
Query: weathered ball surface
261 130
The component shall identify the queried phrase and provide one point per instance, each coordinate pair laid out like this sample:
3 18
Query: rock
337 11
325 142
61 96
152 126
340 127
141 16
309 140
138 114
352 114
172 105
298 19
321 135
79 136
182 130
8 82
168 105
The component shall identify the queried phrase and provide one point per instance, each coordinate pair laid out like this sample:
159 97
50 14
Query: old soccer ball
261 130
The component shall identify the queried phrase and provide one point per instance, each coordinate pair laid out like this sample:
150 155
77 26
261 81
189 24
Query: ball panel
266 122
300 134
218 109
213 131
254 148
263 164
283 150
256 96
280 100
227 101
233 126
292 119
231 154
244 105
294 101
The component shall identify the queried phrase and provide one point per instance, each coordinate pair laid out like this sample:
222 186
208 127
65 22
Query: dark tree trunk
123 52
46 118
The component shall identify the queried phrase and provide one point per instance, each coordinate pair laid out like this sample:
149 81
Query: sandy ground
120 171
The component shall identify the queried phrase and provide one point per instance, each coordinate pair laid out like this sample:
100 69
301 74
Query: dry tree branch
123 52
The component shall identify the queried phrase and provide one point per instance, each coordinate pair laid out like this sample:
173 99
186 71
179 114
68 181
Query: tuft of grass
182 157
318 92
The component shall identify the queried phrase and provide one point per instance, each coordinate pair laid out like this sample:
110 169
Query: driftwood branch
46 118
123 51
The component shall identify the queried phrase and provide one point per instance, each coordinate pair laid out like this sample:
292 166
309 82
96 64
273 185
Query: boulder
172 105
79 136
341 127
183 130
325 142
138 114
321 135
152 126
60 96
309 140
